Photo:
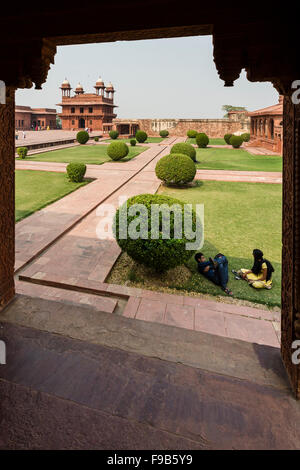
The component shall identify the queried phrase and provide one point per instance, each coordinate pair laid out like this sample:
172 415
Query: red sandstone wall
179 127
26 117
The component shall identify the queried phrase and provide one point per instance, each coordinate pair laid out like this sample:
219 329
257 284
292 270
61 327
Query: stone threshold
248 324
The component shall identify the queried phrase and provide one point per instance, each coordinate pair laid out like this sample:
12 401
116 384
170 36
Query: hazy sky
163 78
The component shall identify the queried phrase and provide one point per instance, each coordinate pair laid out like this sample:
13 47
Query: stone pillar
290 324
7 198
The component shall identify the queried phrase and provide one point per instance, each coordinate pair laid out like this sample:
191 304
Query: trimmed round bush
117 150
164 133
132 142
186 149
191 134
22 152
202 140
96 139
113 134
246 137
76 172
141 136
236 141
227 138
82 137
157 253
175 168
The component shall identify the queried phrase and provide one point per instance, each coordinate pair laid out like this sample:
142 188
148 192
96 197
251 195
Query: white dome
110 85
79 86
99 81
66 82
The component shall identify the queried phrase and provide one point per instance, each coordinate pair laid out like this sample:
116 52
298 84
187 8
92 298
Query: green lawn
89 154
238 218
37 189
150 140
216 141
236 159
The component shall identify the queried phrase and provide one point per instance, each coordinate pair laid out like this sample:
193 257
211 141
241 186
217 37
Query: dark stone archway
29 51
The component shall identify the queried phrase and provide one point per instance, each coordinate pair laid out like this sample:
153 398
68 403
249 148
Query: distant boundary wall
179 127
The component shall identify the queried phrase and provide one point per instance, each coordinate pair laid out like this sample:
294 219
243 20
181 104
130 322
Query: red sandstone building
82 110
27 118
266 127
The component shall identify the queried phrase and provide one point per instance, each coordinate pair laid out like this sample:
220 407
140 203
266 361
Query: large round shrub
132 142
164 133
227 138
175 168
186 149
22 152
113 134
155 252
236 141
82 137
246 137
202 140
141 136
117 150
191 134
76 171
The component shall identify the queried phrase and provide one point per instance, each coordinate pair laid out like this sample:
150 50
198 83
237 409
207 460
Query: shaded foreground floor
77 378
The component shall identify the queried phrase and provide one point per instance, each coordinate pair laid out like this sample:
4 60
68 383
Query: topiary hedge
132 142
164 133
141 136
191 134
175 168
76 171
158 253
227 138
96 139
117 150
246 137
82 137
113 134
236 141
202 140
22 152
186 149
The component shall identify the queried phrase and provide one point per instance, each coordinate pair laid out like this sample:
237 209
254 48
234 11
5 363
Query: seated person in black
215 270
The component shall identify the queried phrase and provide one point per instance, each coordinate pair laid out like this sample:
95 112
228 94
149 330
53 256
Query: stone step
101 303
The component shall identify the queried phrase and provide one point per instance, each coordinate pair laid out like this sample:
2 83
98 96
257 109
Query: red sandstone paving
182 316
36 137
41 229
239 176
103 304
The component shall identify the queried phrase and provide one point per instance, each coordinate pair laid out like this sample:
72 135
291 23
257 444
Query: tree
58 122
229 107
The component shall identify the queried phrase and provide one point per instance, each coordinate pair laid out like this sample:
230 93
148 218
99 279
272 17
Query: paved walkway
63 253
260 151
240 176
42 137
